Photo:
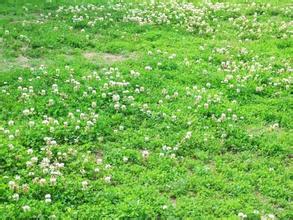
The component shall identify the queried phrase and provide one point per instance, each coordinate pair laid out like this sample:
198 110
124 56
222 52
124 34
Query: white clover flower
275 126
43 92
84 184
108 166
10 146
30 151
271 216
26 208
26 112
34 159
172 56
55 88
12 184
51 102
15 197
148 68
259 89
173 117
42 181
29 163
188 135
145 153
116 98
108 179
123 107
89 123
48 198
99 161
164 207
134 73
117 106
94 104
53 180
31 123
242 215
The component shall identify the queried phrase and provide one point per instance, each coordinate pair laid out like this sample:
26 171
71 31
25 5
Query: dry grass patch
19 62
107 58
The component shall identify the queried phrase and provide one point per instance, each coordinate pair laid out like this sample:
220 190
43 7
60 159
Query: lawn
146 109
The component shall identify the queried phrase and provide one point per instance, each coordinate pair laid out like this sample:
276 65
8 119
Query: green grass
115 117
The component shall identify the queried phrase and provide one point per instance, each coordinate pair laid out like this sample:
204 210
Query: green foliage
131 109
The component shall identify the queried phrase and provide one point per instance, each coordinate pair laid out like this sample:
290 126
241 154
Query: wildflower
53 180
173 117
51 102
145 153
31 123
116 98
42 181
99 161
259 89
26 112
48 198
94 104
123 107
242 215
25 188
117 106
148 68
188 135
15 197
52 216
271 216
275 126
108 179
12 185
26 208
84 184
164 207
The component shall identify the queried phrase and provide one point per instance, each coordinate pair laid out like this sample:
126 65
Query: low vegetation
146 109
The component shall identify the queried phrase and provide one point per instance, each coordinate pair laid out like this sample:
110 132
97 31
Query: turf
141 110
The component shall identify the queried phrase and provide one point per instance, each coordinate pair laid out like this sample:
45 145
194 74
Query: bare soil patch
107 58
